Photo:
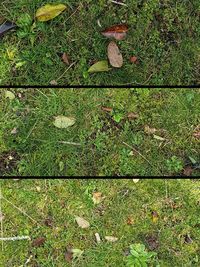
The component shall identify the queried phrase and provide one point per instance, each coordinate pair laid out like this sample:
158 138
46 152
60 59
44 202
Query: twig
14 238
69 143
140 155
118 3
1 214
23 212
65 71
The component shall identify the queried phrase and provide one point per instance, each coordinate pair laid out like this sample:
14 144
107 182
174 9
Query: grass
125 213
110 143
163 35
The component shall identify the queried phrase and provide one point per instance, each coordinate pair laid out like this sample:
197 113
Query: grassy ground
110 142
125 213
164 35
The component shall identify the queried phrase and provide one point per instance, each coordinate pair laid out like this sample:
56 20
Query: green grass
175 201
164 35
110 143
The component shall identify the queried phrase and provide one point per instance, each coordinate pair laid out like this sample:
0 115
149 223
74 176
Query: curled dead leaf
118 32
114 55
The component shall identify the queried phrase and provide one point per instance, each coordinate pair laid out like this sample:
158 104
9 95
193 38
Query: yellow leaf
97 197
48 12
154 216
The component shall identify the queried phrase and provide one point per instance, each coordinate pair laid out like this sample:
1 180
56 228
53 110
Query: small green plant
139 257
174 164
26 27
117 115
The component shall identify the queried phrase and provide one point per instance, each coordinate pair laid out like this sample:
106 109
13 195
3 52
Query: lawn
116 132
161 214
163 35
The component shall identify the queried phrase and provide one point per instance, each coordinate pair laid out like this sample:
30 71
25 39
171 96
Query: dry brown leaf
82 222
97 197
188 171
97 236
69 255
111 238
130 221
149 130
106 109
132 115
38 242
117 31
134 60
65 58
114 55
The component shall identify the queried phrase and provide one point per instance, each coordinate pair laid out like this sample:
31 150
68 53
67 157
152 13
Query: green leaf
9 95
64 122
99 66
77 252
49 12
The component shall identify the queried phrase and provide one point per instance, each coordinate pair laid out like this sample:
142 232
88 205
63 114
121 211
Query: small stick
1 196
139 154
118 3
23 212
14 238
65 71
69 143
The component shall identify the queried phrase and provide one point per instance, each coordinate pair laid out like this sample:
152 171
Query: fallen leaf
48 222
14 130
188 239
10 95
188 171
158 137
97 197
69 255
53 82
134 60
118 32
6 26
97 236
111 238
49 12
106 109
1 216
136 180
38 241
99 66
65 58
196 134
114 55
152 242
76 252
130 221
154 216
82 222
64 122
132 115
149 130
